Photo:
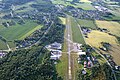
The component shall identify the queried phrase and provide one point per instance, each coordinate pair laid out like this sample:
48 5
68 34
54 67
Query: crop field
111 26
76 33
3 45
96 37
115 53
87 23
19 31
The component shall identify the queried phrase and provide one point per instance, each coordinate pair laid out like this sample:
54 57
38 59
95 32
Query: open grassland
85 5
62 65
19 31
113 27
3 45
76 33
87 23
96 37
85 1
11 44
63 20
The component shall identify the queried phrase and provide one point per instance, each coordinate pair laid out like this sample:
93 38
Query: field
115 53
113 27
3 45
87 23
85 1
96 37
76 33
85 5
12 44
19 31
63 20
62 65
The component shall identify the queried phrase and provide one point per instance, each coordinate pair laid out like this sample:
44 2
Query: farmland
87 23
77 35
96 37
19 31
111 26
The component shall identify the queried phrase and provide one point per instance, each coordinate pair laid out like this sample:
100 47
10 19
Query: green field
11 44
3 45
19 31
62 65
76 33
83 5
87 23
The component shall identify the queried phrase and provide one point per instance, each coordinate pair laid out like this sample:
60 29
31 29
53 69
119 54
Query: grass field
63 20
19 31
76 33
3 45
87 23
62 65
12 45
96 37
85 1
85 5
113 27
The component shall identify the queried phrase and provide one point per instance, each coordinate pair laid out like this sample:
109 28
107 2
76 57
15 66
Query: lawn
3 45
19 31
96 37
76 33
112 26
87 23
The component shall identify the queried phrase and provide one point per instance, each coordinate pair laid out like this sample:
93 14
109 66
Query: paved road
69 37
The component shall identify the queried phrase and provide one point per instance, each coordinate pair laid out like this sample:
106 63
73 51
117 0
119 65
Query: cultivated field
96 37
86 23
115 53
19 31
113 27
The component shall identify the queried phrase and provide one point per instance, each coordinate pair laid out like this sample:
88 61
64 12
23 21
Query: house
54 45
55 54
81 53
2 54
